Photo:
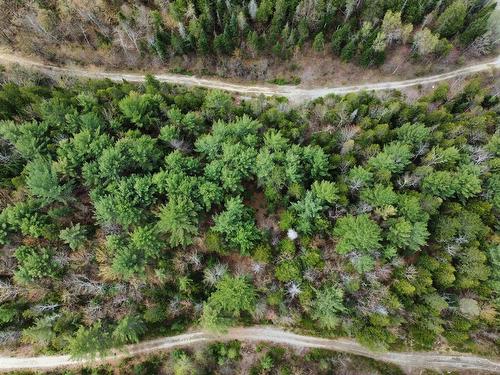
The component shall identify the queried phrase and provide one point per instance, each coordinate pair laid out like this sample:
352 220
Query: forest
133 211
130 33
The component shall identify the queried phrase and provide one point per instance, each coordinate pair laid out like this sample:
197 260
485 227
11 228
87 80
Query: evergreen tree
178 220
328 305
452 19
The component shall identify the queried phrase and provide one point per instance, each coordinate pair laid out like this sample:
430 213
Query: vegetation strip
454 361
296 94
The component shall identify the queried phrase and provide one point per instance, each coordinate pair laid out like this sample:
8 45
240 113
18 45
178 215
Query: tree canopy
134 210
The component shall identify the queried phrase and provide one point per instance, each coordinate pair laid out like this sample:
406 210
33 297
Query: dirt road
420 360
294 93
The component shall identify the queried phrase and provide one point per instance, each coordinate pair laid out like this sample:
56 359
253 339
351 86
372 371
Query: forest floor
293 93
406 360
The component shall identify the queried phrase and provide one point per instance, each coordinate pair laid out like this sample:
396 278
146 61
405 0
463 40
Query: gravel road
418 360
294 93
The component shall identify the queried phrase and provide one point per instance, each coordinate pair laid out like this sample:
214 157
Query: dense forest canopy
360 31
131 211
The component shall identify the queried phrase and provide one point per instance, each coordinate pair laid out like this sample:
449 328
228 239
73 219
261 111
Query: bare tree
482 45
9 337
8 291
82 285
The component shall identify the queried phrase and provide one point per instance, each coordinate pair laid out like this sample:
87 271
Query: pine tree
178 220
319 42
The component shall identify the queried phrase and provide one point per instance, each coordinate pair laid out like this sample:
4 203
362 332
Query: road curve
420 360
294 93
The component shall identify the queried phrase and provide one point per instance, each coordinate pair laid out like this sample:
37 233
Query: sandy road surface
294 93
430 360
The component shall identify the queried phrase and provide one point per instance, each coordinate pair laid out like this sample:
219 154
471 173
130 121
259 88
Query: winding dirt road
419 360
294 93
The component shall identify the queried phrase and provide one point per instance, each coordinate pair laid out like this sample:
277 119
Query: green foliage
328 305
90 342
236 225
42 182
458 224
128 330
147 240
340 37
357 233
464 183
128 261
467 182
225 352
379 196
29 138
375 338
319 42
82 147
35 263
404 287
42 332
141 110
183 364
440 183
413 134
410 207
311 258
493 190
440 156
262 254
233 296
348 51
325 191
127 155
472 269
363 263
394 158
359 178
178 220
7 314
478 25
123 200
217 105
406 235
452 19
309 209
74 236
288 270
440 93
249 29
26 217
